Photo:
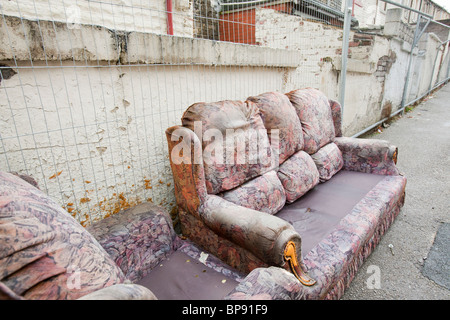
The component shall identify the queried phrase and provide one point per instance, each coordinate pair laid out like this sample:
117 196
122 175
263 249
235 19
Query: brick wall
239 26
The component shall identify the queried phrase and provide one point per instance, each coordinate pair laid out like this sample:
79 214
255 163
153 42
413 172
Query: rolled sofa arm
268 237
368 155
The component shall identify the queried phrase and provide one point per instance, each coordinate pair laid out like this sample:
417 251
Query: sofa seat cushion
335 260
298 175
235 144
313 109
282 123
44 252
328 161
264 193
184 277
318 212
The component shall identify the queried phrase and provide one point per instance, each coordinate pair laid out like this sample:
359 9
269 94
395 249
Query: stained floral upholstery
298 175
328 161
46 254
37 234
314 112
226 168
264 193
341 195
278 114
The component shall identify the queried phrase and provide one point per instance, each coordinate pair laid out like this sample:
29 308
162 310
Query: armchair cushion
328 161
278 113
313 109
298 175
137 240
264 193
240 148
44 252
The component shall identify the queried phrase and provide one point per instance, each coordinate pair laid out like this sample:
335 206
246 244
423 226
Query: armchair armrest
367 155
268 237
136 239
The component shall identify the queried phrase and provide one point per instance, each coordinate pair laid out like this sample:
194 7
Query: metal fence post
417 35
345 41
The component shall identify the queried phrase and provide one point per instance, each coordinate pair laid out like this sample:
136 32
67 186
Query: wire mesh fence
88 87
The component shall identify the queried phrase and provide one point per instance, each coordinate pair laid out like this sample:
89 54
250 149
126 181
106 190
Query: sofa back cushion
235 144
282 123
298 175
328 161
44 252
313 109
264 193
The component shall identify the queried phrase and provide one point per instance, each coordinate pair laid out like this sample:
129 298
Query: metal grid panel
88 87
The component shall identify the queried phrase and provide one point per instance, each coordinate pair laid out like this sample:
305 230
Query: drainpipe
169 17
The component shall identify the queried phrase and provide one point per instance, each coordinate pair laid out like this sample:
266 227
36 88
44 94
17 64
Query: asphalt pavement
412 260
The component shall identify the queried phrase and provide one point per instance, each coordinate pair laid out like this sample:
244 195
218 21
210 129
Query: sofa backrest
313 109
44 252
235 144
278 114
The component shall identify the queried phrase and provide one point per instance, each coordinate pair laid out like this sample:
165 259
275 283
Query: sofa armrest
267 284
262 234
185 154
271 239
137 239
121 291
368 155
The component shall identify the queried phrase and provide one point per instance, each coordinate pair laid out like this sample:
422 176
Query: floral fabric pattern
264 193
251 241
336 112
211 261
41 246
208 240
328 161
368 155
137 240
268 284
314 111
298 175
188 173
224 126
278 114
334 261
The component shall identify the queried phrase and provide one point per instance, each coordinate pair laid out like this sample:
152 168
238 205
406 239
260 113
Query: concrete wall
86 116
124 15
83 108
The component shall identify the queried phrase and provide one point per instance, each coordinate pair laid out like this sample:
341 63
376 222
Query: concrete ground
423 138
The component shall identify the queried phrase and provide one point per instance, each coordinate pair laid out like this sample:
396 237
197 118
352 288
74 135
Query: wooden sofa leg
290 255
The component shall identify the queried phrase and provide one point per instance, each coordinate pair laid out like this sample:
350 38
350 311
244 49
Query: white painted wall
124 15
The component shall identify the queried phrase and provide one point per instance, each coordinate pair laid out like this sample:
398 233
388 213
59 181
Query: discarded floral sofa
46 254
272 182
